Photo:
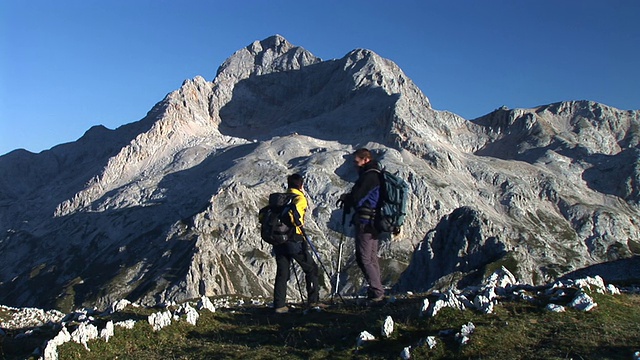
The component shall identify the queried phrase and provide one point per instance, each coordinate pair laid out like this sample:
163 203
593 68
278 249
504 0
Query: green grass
516 330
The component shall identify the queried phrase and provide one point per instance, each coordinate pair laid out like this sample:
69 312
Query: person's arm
363 187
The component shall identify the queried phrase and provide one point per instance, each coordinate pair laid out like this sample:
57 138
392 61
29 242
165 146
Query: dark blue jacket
365 193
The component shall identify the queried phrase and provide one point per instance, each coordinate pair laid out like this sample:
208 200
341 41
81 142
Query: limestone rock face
597 144
165 208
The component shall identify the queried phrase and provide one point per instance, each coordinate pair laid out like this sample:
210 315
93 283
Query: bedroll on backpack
393 207
275 222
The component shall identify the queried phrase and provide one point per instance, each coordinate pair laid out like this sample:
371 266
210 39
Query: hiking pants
367 259
309 267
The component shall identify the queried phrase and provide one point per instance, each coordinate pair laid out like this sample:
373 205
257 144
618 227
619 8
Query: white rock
463 336
205 303
159 320
51 348
425 306
107 332
364 336
468 329
431 342
501 278
127 324
20 318
437 306
589 281
613 290
406 353
555 308
192 315
483 303
447 299
84 333
583 302
462 339
119 305
387 327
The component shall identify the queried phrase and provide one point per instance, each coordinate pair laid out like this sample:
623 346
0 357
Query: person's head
362 156
295 181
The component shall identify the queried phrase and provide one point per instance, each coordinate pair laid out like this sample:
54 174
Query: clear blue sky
67 65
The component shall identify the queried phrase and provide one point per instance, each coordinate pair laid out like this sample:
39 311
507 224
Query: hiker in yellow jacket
296 248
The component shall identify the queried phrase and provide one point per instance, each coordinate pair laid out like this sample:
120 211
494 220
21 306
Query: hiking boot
376 300
282 310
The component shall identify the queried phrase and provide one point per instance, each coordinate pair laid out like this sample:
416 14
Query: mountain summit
165 208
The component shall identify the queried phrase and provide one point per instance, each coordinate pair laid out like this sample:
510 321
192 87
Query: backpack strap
297 217
376 170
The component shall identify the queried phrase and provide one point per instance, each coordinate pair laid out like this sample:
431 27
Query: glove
341 200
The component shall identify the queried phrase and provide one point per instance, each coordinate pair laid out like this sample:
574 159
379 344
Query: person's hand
345 202
341 200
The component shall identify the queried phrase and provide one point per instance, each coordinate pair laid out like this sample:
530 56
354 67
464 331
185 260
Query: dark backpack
275 222
392 206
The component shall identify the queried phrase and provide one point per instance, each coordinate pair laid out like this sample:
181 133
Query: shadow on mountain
620 272
318 101
615 174
14 345
456 250
131 242
53 176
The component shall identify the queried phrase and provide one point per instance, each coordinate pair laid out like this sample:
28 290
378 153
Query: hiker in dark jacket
296 248
363 198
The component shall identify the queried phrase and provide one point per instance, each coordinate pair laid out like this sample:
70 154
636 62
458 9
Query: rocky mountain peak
276 44
369 70
273 54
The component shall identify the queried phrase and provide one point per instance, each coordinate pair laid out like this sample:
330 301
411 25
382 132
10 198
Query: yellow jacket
297 215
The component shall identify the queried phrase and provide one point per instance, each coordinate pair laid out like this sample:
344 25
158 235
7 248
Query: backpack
392 206
275 223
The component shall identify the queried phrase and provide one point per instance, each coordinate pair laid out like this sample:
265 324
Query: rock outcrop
165 208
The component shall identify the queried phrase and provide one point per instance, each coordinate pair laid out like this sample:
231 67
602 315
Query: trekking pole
337 291
337 288
295 273
313 249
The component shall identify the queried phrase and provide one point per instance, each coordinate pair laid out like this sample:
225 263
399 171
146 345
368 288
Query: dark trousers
367 259
285 254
